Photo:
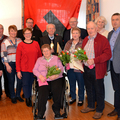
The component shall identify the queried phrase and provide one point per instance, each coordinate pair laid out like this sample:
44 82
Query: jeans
116 86
11 81
73 77
27 80
94 88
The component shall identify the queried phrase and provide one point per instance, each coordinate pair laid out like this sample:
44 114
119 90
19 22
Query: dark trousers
6 88
43 92
116 86
27 81
73 77
94 88
11 81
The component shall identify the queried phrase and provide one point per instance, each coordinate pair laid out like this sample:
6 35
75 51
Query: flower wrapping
54 70
40 83
67 66
64 57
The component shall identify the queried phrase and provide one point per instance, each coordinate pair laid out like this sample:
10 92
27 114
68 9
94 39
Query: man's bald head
73 22
91 29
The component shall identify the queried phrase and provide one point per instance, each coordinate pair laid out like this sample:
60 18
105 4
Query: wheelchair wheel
35 99
65 102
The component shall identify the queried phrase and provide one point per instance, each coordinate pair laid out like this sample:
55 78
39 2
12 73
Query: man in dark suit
52 38
67 33
2 37
114 63
36 34
54 41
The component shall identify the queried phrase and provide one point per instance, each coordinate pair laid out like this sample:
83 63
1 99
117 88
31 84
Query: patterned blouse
8 50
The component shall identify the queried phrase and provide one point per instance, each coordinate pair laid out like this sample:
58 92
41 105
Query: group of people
22 50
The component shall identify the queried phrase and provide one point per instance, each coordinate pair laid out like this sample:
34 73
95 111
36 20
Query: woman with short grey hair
101 22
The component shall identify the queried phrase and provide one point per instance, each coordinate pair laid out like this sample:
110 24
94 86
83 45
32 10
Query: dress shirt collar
118 30
51 37
48 59
92 37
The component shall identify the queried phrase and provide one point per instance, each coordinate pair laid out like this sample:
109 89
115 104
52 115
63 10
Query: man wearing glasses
67 33
36 34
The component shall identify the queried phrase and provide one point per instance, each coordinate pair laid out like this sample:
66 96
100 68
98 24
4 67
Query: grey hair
92 22
102 18
49 24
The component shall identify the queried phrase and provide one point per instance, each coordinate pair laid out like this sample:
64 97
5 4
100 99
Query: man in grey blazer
114 63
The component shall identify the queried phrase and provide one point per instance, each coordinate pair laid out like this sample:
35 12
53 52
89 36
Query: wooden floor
19 111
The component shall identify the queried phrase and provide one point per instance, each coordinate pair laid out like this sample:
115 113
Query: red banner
51 11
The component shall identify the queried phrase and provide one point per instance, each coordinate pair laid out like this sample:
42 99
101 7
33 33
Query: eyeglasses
27 33
30 22
73 21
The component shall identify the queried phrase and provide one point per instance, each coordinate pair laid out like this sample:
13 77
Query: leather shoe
80 103
97 115
118 118
20 99
28 102
87 109
113 113
13 100
72 101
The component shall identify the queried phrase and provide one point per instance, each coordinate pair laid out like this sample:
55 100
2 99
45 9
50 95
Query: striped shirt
8 50
89 48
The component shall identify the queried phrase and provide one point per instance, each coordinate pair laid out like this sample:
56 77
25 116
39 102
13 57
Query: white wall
82 15
10 13
107 8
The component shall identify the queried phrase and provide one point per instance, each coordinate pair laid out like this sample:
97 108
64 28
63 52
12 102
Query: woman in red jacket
27 53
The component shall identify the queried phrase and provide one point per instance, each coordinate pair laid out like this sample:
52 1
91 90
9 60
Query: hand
80 60
53 77
1 72
90 62
8 68
19 75
42 78
106 74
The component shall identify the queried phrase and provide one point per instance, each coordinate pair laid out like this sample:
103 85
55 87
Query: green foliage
54 70
80 54
64 57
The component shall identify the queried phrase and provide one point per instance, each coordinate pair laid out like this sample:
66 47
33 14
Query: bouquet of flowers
65 58
54 70
80 54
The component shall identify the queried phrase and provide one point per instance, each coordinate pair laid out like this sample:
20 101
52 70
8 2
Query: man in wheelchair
54 81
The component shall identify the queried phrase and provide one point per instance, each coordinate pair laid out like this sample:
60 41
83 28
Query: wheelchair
64 98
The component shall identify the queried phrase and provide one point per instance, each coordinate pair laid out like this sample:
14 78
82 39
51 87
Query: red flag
51 11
